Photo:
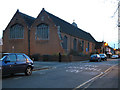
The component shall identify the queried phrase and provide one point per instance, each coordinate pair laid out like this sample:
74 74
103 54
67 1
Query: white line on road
18 78
94 77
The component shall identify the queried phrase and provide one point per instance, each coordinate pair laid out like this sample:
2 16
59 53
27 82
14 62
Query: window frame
9 60
65 44
15 31
83 43
75 44
36 35
23 56
88 46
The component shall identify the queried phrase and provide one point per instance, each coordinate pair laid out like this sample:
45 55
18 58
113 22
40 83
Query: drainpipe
28 41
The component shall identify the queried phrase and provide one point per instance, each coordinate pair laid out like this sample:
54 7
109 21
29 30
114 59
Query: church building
45 35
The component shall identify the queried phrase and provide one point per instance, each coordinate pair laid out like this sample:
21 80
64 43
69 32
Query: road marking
95 77
18 78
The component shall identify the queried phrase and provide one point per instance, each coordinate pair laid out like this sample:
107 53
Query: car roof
12 53
94 54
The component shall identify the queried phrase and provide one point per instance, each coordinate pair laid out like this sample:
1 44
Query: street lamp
105 45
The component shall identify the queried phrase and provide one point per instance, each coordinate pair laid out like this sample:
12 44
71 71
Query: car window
98 56
4 57
93 55
21 58
11 58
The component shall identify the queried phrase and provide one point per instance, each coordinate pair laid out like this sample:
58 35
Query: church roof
68 28
65 27
28 19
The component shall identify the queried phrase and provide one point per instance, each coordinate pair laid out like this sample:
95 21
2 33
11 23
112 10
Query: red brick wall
20 45
70 43
42 47
51 46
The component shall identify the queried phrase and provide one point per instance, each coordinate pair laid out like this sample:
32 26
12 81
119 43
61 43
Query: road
72 75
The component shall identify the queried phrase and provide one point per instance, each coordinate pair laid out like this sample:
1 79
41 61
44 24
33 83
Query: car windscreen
3 58
101 54
93 55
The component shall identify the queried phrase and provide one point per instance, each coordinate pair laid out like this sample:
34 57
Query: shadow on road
13 76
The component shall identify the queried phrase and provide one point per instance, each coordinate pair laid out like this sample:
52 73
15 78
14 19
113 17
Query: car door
9 67
21 63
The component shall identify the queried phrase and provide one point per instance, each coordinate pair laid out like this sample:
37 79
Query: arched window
82 45
75 44
88 46
17 32
42 32
79 45
65 40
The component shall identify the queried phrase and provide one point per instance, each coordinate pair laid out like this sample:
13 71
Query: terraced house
45 35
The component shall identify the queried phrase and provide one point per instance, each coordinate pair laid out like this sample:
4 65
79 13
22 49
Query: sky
94 16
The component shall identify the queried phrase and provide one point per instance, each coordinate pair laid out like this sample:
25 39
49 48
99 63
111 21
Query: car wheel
99 60
28 71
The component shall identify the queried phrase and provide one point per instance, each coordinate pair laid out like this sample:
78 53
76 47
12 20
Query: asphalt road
72 75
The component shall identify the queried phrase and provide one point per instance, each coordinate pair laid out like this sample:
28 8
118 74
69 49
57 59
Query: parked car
95 57
103 56
114 56
12 63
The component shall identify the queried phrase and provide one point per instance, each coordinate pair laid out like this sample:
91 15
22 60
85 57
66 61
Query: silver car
103 56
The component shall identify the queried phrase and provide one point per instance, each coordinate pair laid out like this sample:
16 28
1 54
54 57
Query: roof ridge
27 15
68 28
28 19
65 21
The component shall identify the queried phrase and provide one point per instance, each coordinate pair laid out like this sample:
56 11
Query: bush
74 53
46 57
36 57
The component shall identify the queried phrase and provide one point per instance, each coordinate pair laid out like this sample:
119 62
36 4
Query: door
21 63
9 64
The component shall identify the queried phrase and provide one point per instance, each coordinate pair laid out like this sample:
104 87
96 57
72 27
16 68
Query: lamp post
105 45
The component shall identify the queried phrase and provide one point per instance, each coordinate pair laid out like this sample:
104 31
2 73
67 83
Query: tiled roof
68 28
28 19
99 45
65 27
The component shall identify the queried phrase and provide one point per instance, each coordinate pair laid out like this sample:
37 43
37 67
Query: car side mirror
6 61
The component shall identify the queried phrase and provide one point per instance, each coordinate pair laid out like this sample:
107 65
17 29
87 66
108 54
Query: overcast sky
93 16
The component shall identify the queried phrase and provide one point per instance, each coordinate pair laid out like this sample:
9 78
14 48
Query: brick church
45 35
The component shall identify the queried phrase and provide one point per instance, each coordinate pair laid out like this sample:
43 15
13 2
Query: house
45 35
103 47
100 47
117 51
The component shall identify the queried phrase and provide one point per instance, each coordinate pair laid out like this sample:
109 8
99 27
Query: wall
70 44
42 47
20 45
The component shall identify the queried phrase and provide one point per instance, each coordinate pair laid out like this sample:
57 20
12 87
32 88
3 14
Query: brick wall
20 45
51 46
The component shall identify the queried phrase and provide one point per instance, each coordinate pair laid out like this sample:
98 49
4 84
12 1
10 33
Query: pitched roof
68 28
99 45
28 19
